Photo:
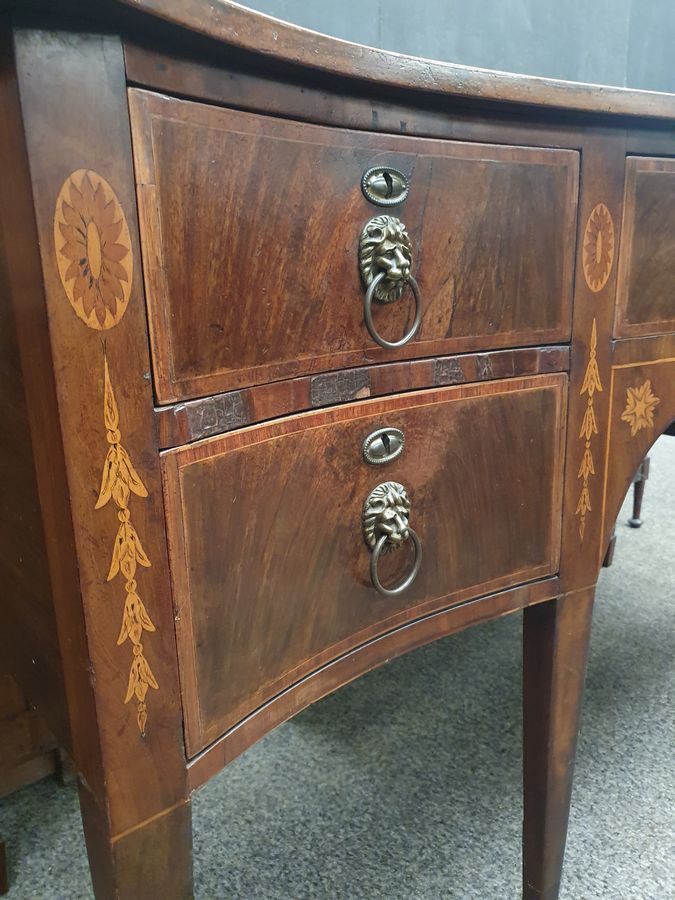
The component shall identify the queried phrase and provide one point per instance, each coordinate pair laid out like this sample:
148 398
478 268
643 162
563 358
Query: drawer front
270 566
250 229
646 289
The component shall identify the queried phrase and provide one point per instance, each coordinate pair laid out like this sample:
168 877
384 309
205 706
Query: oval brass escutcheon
383 446
384 186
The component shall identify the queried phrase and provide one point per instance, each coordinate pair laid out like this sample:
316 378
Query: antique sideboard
310 354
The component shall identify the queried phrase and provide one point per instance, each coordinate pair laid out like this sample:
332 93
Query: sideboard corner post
556 634
127 739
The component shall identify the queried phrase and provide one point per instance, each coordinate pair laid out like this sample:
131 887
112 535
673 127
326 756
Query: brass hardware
385 261
383 446
386 511
368 314
384 248
384 186
386 527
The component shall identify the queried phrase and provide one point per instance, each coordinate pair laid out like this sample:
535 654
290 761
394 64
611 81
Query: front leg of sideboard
86 372
555 647
556 634
153 859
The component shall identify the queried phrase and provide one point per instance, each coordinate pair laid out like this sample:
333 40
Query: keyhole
387 442
390 184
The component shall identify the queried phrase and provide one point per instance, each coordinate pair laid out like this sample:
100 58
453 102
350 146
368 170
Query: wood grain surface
242 217
602 182
641 391
249 284
38 554
647 266
556 637
183 423
243 28
269 564
28 750
130 774
358 661
197 72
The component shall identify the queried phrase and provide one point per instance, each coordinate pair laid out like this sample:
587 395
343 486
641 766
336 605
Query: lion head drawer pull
385 527
385 260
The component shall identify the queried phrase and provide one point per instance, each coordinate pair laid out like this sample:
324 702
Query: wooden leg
4 880
611 547
151 861
639 492
66 774
555 647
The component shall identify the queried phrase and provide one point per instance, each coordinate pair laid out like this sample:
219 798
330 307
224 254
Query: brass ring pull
385 262
410 577
384 520
368 313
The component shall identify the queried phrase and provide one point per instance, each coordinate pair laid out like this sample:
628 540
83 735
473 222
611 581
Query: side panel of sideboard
642 405
29 646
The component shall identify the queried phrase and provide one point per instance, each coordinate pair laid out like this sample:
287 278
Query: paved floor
407 783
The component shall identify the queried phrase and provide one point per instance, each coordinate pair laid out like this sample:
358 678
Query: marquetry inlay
640 405
598 247
93 249
589 427
119 481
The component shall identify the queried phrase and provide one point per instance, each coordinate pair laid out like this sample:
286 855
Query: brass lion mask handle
385 522
385 261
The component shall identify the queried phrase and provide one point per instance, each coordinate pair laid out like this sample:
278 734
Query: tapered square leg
555 649
149 862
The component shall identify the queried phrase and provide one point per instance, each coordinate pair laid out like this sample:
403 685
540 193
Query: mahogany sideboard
275 305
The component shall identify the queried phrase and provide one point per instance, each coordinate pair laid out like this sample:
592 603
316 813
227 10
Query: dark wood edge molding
357 662
193 420
650 347
255 32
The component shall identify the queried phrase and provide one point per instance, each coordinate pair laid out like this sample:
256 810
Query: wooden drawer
250 232
269 563
646 290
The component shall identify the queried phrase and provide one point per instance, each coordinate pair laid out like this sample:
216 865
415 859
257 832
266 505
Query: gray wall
622 42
